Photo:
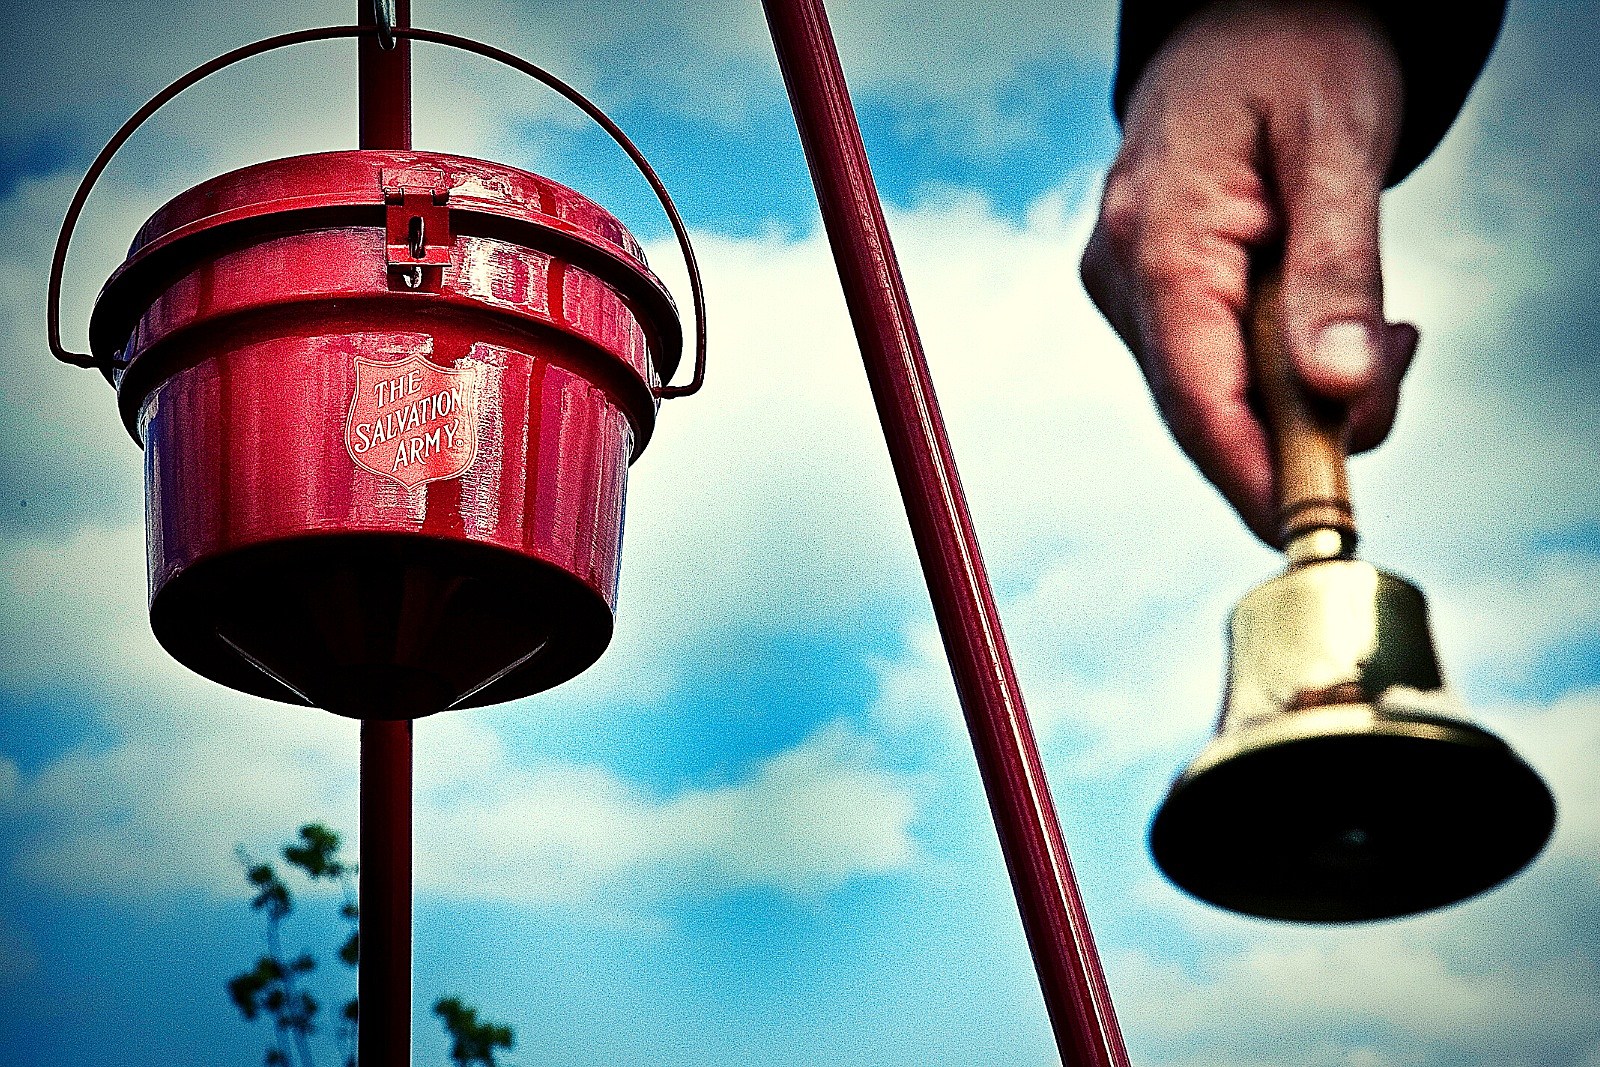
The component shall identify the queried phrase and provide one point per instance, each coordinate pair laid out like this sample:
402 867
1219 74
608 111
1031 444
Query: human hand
1255 124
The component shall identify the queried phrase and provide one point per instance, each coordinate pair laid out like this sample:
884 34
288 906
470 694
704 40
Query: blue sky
753 833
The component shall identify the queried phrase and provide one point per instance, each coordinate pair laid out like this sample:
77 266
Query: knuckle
1332 249
1121 212
1168 260
1337 261
1335 234
1337 176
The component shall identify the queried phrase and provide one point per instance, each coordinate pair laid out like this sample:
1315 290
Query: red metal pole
1057 928
384 976
383 981
385 82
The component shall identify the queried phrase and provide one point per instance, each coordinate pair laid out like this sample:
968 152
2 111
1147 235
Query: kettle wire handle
325 33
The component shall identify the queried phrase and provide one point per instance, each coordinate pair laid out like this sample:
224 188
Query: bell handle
1307 434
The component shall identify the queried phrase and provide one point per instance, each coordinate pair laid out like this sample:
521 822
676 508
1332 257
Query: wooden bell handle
1307 434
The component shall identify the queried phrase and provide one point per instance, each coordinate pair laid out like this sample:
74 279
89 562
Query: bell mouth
1346 815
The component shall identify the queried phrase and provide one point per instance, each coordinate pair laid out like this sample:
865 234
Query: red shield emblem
413 421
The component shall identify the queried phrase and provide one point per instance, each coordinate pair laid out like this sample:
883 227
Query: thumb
1332 280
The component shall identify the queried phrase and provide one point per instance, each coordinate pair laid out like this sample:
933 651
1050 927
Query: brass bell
1342 784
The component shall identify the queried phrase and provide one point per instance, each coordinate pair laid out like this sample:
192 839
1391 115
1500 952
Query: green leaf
472 1042
318 852
275 899
245 990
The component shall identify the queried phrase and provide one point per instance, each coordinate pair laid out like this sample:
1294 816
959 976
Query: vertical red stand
1057 928
384 977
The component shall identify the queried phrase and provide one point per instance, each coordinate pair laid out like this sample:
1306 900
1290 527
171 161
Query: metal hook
383 15
417 238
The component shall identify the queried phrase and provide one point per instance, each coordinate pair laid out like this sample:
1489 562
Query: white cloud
807 819
1506 623
1563 742
1303 997
1303 1000
70 460
185 769
75 611
162 809
958 51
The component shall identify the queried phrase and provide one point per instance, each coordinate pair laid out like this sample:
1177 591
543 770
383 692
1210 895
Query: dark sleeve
1442 48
